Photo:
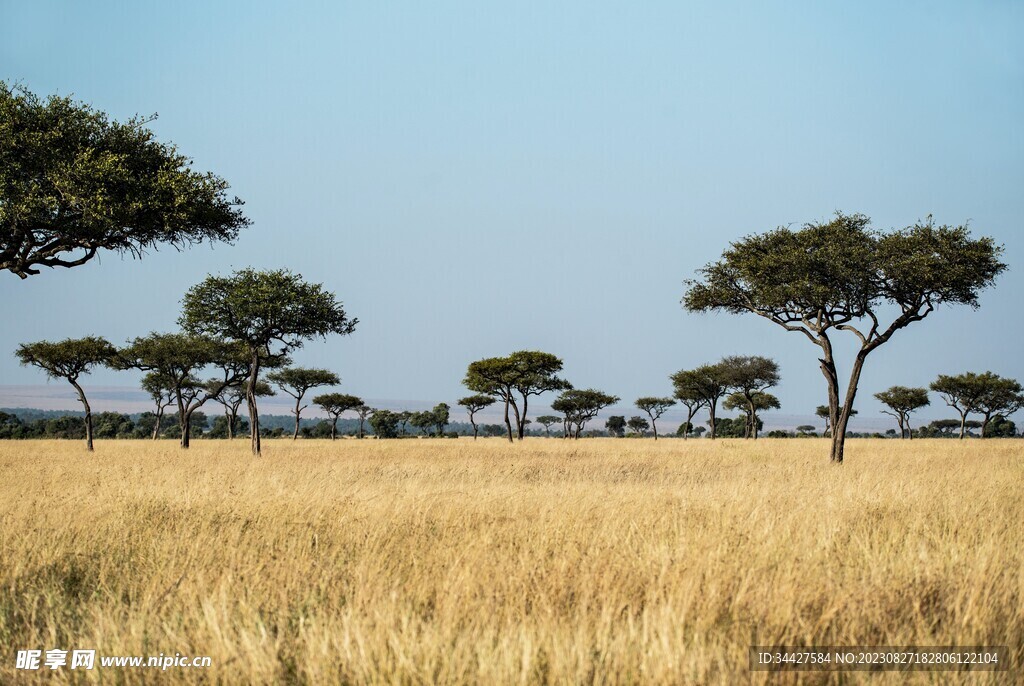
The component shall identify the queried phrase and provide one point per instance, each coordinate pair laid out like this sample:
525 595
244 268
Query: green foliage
385 423
524 373
263 308
296 381
68 359
73 182
580 406
842 275
638 425
616 426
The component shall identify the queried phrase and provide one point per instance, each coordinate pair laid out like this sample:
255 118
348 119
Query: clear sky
475 178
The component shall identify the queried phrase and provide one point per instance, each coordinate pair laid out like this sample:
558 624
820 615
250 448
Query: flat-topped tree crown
74 182
841 275
269 312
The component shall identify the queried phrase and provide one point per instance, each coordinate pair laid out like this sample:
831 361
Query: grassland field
547 562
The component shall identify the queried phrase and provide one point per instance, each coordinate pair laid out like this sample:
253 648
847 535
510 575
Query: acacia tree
1001 397
297 381
232 397
269 312
654 407
843 276
73 182
440 415
363 412
707 384
638 425
335 405
69 360
901 401
580 406
750 375
547 420
161 390
616 426
473 404
179 358
523 373
962 392
751 406
686 384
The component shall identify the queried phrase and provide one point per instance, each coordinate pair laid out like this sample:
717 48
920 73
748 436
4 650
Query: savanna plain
609 561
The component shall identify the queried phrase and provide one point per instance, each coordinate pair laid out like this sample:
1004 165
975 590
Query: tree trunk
519 417
521 423
839 426
910 430
471 421
334 428
159 421
88 414
984 425
508 424
297 413
712 406
654 425
186 428
963 425
232 417
250 400
362 420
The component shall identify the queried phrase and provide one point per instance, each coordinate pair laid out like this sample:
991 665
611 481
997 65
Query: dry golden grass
597 561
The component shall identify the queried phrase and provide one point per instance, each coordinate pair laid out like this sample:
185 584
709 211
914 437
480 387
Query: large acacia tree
69 360
179 359
842 275
514 379
297 381
73 182
269 313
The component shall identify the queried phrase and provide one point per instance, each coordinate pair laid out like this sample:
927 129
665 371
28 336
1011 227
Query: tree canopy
269 312
68 360
297 381
901 401
335 405
841 275
580 406
654 407
74 182
473 404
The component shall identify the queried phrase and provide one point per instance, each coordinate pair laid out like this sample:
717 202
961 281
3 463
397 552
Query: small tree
335 405
161 389
1001 398
805 429
843 276
179 358
424 421
440 415
580 406
751 406
901 401
687 392
473 404
363 412
384 423
616 426
547 420
69 360
962 392
638 425
231 399
74 183
654 407
297 381
703 386
751 375
263 310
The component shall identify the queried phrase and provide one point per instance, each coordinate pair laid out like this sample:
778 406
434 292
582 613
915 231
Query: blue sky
475 178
